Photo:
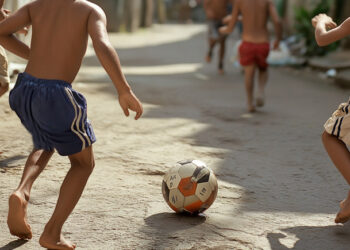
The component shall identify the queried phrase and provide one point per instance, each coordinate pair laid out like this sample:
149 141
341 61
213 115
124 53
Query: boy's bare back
255 16
59 39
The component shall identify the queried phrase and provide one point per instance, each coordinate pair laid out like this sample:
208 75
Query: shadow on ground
14 244
6 162
309 237
164 236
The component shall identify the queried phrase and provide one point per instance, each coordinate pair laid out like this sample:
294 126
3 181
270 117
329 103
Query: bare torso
59 38
217 9
255 15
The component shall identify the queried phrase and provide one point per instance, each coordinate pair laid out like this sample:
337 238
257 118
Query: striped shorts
339 123
53 113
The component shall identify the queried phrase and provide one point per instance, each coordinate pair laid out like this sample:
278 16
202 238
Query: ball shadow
171 222
164 230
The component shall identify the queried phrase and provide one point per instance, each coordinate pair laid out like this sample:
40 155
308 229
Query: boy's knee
86 165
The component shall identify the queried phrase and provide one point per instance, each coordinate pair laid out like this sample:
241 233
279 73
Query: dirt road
277 187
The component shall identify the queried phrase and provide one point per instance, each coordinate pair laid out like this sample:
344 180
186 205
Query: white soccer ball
190 186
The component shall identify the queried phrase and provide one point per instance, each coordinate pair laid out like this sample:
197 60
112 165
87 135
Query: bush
305 29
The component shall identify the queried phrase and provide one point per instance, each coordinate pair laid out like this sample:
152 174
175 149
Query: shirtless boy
216 11
53 112
255 47
337 128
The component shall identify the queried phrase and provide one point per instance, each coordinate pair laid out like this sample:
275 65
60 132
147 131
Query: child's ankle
24 193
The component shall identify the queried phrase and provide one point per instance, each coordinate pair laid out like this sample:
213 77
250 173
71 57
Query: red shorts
254 53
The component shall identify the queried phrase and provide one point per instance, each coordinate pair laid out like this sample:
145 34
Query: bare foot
51 242
342 203
208 59
260 100
17 216
221 68
251 109
344 213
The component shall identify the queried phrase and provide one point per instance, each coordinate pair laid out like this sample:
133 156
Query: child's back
59 40
255 16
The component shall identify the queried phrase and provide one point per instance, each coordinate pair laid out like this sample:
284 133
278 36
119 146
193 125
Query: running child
216 11
336 136
50 109
255 46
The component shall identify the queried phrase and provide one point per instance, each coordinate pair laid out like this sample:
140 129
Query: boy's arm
110 61
13 23
324 37
277 24
234 17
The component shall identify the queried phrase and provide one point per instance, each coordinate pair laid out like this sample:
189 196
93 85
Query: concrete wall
15 4
113 10
123 14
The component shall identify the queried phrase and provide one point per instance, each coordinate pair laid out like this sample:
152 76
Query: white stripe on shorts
83 132
77 118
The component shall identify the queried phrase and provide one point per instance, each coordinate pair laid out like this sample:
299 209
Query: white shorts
339 123
4 77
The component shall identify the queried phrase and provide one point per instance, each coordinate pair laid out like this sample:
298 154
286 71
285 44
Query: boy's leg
222 54
340 155
263 76
249 72
3 89
72 187
17 215
212 43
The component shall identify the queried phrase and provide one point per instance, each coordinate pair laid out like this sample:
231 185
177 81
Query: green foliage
281 7
305 29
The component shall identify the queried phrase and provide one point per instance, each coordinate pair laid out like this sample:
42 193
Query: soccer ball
190 187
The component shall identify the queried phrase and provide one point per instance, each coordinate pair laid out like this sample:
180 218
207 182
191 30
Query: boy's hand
226 20
324 19
225 30
127 101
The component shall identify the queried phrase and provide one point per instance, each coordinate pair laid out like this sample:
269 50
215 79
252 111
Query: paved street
277 187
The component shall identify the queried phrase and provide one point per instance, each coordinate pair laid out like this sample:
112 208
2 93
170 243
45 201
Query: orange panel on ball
187 187
194 207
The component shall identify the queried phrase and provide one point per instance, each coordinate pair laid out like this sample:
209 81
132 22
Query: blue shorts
53 113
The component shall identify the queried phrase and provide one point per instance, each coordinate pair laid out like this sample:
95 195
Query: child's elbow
101 46
321 42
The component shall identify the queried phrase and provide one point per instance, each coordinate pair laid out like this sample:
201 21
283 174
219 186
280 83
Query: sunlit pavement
277 187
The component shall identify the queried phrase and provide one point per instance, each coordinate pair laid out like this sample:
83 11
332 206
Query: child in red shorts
254 49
